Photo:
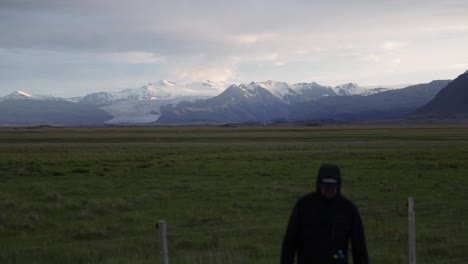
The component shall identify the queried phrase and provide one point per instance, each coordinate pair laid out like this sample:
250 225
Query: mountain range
166 102
255 103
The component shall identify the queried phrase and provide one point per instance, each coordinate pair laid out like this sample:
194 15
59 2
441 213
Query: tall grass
93 195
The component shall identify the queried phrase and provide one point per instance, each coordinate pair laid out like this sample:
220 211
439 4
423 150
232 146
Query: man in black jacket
323 223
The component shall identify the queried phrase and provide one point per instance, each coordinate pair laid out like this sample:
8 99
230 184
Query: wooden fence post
161 226
411 231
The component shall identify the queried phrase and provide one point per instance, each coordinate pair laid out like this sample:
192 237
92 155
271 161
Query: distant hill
49 112
452 100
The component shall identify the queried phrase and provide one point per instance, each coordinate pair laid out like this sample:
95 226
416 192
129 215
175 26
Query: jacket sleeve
358 241
290 241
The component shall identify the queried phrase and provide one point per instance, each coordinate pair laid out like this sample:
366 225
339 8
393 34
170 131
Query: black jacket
319 228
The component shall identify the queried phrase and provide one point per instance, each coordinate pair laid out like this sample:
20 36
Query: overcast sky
71 48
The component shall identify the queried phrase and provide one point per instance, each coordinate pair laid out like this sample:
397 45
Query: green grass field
94 195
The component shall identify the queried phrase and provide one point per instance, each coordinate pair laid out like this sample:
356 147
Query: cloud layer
109 45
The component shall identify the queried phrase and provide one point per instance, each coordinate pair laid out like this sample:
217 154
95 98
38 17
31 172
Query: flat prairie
94 194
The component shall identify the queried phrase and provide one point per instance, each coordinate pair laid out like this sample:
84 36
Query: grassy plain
93 195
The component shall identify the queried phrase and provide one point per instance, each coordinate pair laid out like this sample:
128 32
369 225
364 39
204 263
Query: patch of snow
302 86
248 89
23 93
349 89
279 89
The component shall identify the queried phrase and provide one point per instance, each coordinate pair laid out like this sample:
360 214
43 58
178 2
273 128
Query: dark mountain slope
451 100
49 112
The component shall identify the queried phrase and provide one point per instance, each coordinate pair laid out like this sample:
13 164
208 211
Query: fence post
161 226
411 231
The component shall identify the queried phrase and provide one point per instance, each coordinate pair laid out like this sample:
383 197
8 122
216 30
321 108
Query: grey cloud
93 33
204 32
184 29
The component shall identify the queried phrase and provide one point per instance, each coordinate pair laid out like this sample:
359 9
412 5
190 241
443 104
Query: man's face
328 191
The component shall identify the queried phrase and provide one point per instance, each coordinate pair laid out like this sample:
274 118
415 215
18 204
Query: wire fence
441 236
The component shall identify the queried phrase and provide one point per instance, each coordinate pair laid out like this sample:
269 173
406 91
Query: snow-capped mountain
24 95
391 103
303 92
151 91
19 95
238 103
279 89
253 103
247 102
297 92
162 90
143 105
